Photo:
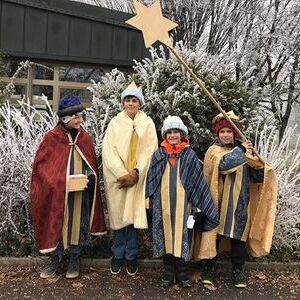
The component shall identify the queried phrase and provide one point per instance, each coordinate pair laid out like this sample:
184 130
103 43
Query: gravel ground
98 283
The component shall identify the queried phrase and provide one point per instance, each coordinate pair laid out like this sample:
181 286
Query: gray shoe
73 267
51 268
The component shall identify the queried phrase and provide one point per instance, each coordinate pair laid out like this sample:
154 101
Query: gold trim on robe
261 209
76 217
131 164
173 240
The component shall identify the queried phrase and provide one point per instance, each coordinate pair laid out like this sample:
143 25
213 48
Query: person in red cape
65 197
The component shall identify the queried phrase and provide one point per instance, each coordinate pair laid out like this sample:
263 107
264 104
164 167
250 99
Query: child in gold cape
244 189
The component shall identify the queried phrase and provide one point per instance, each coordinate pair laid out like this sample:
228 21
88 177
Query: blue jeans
125 243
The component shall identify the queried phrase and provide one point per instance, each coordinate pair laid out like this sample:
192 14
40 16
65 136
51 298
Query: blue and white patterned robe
195 191
235 176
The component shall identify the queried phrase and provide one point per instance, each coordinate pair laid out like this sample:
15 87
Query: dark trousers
238 254
175 266
73 250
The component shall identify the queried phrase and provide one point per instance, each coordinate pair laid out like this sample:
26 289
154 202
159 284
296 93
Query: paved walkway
97 283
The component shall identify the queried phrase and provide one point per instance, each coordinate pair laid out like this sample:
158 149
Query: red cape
48 187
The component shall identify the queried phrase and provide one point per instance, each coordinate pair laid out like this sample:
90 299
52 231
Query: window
52 80
76 74
45 72
20 93
10 67
38 90
85 95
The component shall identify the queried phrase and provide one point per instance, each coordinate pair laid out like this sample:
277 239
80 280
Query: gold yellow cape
263 200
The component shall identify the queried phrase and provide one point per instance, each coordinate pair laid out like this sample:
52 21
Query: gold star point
152 23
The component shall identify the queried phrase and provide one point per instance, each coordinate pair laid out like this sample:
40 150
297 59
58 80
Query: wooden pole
211 98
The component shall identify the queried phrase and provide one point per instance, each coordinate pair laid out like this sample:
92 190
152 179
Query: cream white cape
127 206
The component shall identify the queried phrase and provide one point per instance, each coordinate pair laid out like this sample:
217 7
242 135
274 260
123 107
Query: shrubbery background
168 90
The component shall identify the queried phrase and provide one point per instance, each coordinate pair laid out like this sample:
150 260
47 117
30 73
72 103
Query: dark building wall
68 31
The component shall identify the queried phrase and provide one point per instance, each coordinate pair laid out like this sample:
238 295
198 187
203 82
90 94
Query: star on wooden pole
152 23
156 27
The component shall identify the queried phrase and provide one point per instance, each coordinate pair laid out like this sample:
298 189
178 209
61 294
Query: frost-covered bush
21 130
169 89
285 158
106 104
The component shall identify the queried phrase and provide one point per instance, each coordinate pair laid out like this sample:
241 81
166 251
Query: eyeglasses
78 115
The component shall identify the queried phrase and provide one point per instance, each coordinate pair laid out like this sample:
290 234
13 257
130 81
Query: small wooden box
77 183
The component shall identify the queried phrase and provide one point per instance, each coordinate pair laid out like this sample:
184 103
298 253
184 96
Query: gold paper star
152 23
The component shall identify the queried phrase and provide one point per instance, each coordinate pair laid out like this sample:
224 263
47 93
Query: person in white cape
129 142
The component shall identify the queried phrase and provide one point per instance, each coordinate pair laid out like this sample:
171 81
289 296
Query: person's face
173 137
131 106
226 135
75 122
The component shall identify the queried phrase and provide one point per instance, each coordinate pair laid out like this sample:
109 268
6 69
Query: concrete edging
146 263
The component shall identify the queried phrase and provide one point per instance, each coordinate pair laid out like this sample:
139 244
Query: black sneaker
238 278
208 275
51 267
167 280
73 267
131 267
116 265
182 273
168 276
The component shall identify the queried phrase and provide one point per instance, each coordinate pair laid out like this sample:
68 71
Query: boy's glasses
78 115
